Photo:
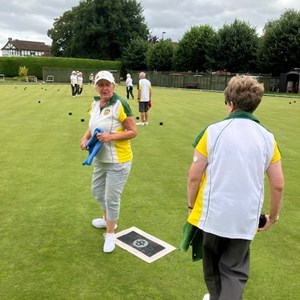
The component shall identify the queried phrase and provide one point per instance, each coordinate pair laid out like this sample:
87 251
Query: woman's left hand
104 137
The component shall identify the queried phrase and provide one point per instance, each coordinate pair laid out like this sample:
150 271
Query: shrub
23 72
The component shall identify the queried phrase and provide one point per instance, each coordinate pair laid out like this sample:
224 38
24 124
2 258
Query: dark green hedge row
9 66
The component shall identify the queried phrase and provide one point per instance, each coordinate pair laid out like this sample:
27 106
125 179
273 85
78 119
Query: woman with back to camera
226 189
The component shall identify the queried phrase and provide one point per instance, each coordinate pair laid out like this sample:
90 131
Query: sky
30 19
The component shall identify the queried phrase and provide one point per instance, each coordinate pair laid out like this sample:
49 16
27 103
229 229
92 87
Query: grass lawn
48 247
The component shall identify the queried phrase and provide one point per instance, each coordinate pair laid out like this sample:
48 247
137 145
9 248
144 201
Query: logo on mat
140 243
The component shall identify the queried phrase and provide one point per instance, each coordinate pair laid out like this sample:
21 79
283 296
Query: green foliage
160 56
117 30
279 49
10 65
98 29
193 49
61 34
234 48
134 55
23 72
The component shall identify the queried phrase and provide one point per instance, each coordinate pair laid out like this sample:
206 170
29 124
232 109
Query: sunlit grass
49 249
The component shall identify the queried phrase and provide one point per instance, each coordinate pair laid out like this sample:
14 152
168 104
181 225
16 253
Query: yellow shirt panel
202 145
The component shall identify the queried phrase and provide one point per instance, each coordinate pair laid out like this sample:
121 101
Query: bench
50 78
31 79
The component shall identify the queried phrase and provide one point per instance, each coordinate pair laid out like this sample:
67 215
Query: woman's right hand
83 144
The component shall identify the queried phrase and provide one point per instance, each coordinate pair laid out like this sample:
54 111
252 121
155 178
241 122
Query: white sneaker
109 244
146 123
206 297
140 124
100 223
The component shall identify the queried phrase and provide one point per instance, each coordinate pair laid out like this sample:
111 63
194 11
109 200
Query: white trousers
107 185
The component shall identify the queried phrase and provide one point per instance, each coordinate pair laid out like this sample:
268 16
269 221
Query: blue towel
93 145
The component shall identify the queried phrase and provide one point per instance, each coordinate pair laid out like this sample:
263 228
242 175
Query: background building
25 48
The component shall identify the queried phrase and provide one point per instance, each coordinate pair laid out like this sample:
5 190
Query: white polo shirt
110 119
73 79
145 87
239 150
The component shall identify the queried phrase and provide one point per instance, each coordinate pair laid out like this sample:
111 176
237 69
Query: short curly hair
244 92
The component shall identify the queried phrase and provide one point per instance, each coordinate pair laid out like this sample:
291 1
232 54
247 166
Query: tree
98 29
234 48
61 34
134 55
152 39
191 53
279 49
160 55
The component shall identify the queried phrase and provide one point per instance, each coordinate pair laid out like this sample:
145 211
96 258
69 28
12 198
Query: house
25 48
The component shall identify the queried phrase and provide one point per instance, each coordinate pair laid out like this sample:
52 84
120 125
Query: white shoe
206 297
100 223
109 244
146 123
140 124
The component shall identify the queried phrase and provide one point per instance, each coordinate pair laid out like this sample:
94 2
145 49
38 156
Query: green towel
192 236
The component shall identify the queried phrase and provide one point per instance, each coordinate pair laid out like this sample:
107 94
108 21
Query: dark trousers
129 91
226 266
74 89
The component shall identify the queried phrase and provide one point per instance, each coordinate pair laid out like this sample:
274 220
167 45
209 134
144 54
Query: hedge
9 66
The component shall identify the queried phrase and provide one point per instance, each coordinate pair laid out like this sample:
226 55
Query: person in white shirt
144 98
112 163
226 188
91 78
73 80
129 87
79 83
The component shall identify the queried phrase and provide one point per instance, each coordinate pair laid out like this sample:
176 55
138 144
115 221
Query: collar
111 101
242 115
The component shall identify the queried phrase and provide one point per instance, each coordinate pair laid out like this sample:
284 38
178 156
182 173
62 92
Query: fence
205 81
